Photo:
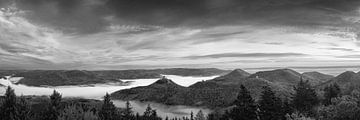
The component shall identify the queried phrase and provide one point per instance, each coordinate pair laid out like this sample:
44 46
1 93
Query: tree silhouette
23 109
270 105
53 110
8 108
200 116
331 91
305 98
128 113
245 107
108 110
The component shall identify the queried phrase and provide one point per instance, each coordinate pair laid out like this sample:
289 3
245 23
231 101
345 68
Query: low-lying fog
99 90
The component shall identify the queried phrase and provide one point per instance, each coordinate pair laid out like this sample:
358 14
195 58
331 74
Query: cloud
242 55
71 16
162 33
342 49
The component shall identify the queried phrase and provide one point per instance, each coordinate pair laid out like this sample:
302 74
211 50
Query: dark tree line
304 104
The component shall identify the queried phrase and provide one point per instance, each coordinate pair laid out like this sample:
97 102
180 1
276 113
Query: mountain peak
279 75
346 76
233 76
165 82
238 73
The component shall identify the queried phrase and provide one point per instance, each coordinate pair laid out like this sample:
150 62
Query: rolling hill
83 77
218 92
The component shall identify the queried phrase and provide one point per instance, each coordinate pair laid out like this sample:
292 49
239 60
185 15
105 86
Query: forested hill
220 91
84 77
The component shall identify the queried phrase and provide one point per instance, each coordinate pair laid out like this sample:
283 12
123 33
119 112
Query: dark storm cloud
82 16
213 12
242 55
88 16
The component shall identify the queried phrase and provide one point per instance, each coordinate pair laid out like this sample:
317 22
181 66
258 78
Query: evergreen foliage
330 92
245 106
200 116
108 110
8 107
269 105
305 98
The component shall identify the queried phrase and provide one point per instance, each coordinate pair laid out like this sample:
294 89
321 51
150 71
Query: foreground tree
108 110
75 112
330 92
8 107
270 105
200 116
150 114
342 108
53 110
305 98
23 109
245 107
128 113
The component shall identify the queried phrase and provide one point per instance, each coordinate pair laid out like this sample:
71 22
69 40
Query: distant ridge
234 76
317 78
237 73
165 82
84 77
284 76
221 91
345 80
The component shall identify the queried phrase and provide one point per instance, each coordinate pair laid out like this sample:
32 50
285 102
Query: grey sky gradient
128 34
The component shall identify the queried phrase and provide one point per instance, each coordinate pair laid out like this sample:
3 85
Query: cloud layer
125 34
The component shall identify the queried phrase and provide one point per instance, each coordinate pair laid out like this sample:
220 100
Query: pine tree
137 116
23 109
76 112
269 105
305 98
245 107
108 110
286 107
331 91
148 111
8 107
200 116
154 115
191 115
53 110
128 113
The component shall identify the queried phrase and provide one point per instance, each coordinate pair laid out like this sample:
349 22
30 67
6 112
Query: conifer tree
108 110
200 116
331 91
148 111
191 115
245 107
23 109
128 113
8 107
305 98
270 105
53 110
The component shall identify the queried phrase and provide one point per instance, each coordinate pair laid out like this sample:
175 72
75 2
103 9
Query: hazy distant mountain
234 76
221 91
160 91
317 77
82 77
346 80
60 77
280 76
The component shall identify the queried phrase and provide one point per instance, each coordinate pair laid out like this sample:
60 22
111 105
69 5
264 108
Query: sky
144 34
